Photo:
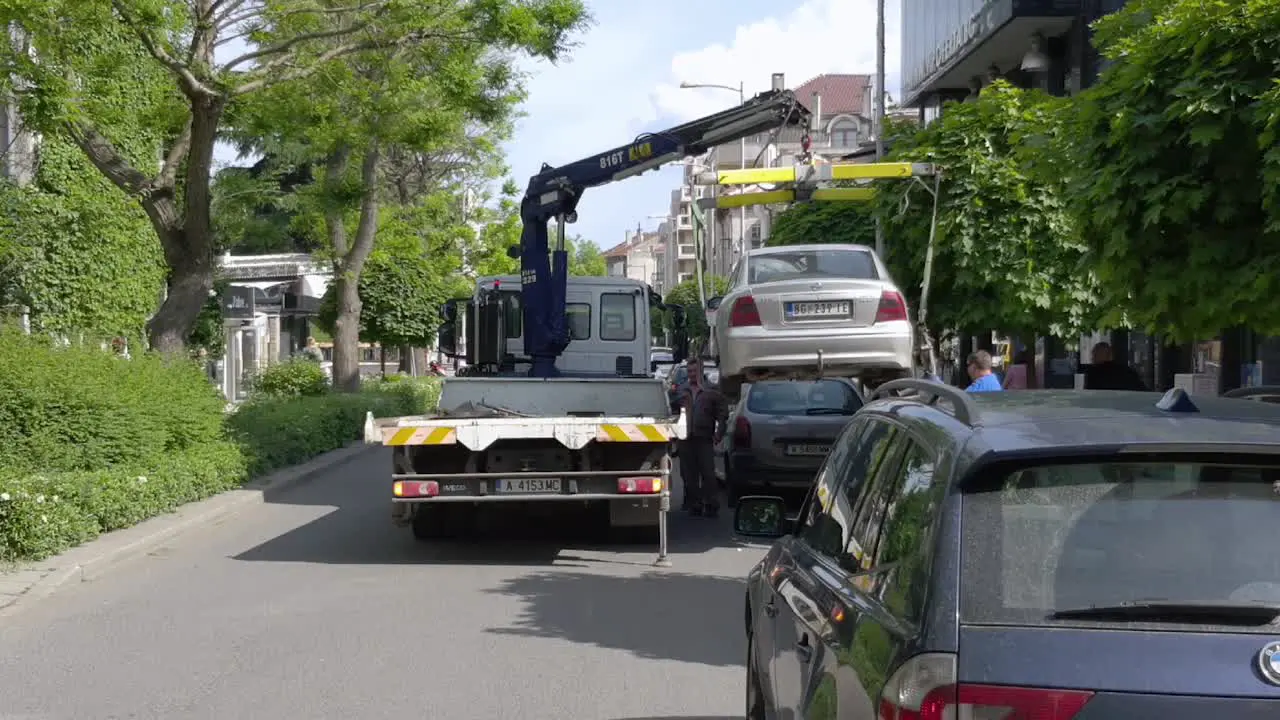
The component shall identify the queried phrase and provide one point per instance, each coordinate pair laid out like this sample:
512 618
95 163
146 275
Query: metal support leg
664 508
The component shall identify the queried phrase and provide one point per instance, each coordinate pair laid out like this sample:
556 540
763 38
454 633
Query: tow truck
530 423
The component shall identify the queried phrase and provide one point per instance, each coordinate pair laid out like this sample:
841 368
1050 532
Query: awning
312 286
266 289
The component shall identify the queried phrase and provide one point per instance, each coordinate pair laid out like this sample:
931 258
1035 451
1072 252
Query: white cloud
820 36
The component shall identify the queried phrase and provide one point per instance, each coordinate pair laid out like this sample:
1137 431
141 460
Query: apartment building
641 256
680 251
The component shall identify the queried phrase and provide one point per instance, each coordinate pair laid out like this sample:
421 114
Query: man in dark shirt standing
1105 373
706 413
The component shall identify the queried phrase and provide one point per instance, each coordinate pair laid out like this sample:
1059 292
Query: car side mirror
761 516
714 303
653 366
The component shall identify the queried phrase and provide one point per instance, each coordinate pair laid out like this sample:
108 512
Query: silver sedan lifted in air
797 311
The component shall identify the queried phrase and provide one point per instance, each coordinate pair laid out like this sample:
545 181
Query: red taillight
742 432
744 313
892 307
414 489
924 688
639 485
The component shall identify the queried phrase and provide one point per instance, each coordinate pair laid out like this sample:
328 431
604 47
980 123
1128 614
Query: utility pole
742 231
877 122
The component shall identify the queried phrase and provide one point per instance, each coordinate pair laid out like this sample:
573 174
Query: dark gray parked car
1058 555
780 432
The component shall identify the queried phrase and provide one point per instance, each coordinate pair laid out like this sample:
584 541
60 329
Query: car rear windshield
1059 538
799 397
813 265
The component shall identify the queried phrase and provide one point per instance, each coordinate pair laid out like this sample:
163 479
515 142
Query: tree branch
108 160
173 160
285 45
190 84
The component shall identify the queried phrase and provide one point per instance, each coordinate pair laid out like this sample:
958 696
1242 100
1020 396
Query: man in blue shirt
980 373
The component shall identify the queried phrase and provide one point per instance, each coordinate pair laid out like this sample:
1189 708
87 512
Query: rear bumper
887 346
575 486
743 471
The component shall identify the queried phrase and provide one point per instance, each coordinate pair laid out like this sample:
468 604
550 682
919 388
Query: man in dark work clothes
1106 373
706 413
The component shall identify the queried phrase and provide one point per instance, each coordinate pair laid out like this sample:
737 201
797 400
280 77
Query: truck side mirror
447 338
714 303
449 311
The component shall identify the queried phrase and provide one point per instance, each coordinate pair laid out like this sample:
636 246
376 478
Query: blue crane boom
554 192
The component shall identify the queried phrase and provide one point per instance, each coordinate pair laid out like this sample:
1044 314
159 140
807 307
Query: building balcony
687 252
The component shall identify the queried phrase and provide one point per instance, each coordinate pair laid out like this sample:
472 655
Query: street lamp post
742 100
878 118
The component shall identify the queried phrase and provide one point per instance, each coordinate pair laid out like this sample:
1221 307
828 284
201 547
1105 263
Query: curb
95 557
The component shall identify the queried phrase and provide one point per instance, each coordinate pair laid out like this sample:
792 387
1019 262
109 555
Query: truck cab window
579 316
513 317
618 317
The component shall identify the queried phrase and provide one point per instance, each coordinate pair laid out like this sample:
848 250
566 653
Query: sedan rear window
1062 541
799 397
824 264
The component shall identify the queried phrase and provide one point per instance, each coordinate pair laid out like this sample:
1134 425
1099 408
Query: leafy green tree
68 41
1179 183
1006 255
255 209
79 255
385 103
824 222
585 259
686 294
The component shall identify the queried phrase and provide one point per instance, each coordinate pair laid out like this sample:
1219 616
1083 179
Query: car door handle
770 609
804 650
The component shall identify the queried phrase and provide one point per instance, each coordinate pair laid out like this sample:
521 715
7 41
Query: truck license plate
808 449
528 486
834 308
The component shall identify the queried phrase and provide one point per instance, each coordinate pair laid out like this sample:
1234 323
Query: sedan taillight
744 313
892 307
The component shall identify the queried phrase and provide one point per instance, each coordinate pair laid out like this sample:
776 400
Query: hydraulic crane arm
553 194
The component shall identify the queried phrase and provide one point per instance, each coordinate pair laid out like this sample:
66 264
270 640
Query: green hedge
90 442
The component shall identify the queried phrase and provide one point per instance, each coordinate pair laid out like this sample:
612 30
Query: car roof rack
929 392
1248 393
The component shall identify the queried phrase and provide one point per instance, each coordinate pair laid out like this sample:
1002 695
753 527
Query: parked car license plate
808 449
834 308
528 486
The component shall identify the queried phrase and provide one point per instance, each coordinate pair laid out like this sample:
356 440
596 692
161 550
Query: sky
624 79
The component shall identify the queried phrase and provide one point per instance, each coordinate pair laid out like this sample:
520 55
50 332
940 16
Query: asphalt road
312 606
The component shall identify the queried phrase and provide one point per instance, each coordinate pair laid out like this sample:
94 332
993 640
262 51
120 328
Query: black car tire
755 692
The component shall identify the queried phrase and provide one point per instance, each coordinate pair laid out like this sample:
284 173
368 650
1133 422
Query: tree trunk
346 335
350 256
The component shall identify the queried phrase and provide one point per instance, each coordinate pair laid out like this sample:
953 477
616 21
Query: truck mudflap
638 487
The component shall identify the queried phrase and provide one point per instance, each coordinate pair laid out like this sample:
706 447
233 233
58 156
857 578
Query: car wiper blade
1244 614
827 411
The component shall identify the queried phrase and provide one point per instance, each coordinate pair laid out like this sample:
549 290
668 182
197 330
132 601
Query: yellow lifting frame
818 173
771 197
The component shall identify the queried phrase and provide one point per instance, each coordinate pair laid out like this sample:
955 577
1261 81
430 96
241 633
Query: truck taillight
925 688
744 313
415 489
892 307
742 432
639 485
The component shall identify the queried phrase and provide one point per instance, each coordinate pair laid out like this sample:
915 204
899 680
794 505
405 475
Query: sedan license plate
806 310
808 449
528 486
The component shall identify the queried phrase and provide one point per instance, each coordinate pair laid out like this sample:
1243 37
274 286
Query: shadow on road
359 531
657 615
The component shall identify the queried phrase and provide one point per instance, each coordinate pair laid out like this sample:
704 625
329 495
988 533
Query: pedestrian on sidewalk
1106 373
1015 378
982 378
706 414
312 351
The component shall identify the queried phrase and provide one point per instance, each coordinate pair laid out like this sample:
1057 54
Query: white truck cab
608 323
